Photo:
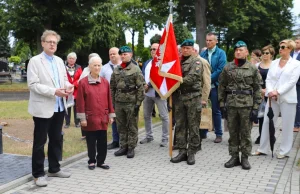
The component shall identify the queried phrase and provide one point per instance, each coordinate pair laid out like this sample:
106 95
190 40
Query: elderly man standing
127 90
188 105
240 97
48 85
73 72
106 72
152 98
217 60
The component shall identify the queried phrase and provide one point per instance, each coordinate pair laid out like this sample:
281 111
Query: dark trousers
68 116
43 127
115 134
96 142
297 119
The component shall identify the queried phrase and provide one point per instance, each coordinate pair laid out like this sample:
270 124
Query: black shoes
103 166
113 145
234 161
257 141
91 167
245 163
121 152
130 153
191 159
182 156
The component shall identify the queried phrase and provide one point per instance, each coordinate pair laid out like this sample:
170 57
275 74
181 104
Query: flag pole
171 4
170 127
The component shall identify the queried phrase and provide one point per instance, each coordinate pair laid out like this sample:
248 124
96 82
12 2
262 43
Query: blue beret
240 44
125 49
187 42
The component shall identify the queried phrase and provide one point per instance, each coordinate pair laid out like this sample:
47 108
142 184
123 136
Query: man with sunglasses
239 97
152 98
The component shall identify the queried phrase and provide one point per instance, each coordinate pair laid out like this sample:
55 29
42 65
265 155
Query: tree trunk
38 43
132 46
201 23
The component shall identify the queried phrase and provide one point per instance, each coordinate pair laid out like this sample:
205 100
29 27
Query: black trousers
68 116
96 142
43 127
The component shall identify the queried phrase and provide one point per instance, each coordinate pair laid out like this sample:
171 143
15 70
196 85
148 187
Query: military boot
245 163
234 161
121 152
130 153
191 159
182 156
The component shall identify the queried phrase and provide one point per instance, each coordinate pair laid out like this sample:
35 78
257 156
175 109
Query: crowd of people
113 93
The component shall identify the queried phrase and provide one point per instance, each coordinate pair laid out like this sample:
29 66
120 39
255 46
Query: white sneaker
41 181
279 156
163 144
60 174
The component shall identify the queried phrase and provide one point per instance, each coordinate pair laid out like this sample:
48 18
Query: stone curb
27 178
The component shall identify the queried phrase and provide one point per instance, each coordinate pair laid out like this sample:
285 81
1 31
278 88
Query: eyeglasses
265 53
283 47
153 49
51 42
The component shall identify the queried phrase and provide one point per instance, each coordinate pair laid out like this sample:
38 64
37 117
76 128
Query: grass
14 87
21 126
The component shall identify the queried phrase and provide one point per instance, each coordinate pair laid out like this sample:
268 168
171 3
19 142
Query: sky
295 10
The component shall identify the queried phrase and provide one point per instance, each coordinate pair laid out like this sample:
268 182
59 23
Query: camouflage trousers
127 124
188 116
239 126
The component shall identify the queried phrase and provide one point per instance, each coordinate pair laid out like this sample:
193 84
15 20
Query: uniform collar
92 80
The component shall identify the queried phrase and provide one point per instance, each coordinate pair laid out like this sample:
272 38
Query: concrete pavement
151 172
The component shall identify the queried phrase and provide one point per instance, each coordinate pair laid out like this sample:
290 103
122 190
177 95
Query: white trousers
288 113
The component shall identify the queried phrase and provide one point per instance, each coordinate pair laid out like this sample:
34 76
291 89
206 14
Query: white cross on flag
165 73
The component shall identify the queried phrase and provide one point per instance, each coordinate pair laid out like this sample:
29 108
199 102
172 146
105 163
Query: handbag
206 119
261 109
70 100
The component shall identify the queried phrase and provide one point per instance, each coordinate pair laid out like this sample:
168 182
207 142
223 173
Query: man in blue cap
188 105
239 97
127 90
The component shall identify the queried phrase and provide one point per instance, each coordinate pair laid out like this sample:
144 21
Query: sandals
257 153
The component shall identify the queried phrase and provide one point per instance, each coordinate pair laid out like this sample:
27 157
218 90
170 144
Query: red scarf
123 65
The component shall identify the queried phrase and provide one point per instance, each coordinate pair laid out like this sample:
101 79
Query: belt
186 91
126 90
235 92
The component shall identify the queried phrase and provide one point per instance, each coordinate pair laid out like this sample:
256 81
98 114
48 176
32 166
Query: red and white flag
165 73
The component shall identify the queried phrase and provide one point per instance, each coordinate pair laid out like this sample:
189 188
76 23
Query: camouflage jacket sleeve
140 82
113 87
222 86
194 74
257 80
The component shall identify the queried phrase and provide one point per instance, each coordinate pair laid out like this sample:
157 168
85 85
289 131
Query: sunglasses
283 47
265 53
153 49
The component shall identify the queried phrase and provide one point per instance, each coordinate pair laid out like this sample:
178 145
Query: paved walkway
151 172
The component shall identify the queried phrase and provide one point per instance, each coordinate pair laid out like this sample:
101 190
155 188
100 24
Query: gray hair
212 34
93 55
95 58
196 47
48 33
72 54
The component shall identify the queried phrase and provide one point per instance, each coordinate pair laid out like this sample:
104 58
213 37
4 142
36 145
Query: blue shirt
53 65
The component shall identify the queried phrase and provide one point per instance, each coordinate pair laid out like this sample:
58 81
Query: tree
22 50
4 47
182 33
28 19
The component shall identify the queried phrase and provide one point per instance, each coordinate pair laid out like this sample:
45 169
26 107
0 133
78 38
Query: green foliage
155 39
182 33
22 50
4 46
14 59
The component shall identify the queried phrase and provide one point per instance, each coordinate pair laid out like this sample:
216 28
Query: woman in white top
281 89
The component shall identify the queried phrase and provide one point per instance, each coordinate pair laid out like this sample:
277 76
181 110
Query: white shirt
107 70
151 91
295 54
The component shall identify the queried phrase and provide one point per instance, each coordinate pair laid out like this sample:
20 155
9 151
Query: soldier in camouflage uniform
127 90
239 97
188 105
